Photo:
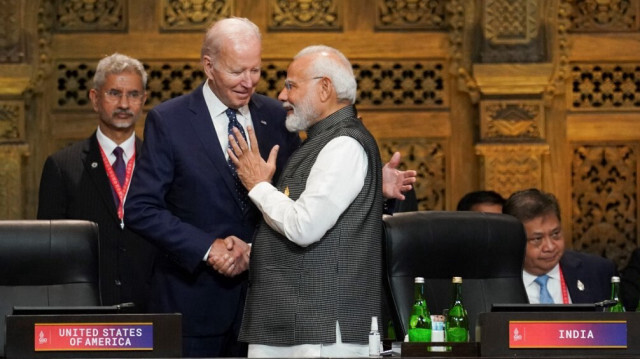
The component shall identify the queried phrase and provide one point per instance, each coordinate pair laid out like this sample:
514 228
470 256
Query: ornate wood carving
46 23
410 14
11 121
510 120
91 15
610 86
428 158
181 15
605 209
305 14
604 15
381 84
512 31
12 47
11 190
408 84
509 168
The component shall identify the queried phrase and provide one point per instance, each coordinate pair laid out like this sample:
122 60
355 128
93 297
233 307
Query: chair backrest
47 263
485 249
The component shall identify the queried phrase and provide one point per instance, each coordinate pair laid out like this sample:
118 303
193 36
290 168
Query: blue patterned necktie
240 190
545 297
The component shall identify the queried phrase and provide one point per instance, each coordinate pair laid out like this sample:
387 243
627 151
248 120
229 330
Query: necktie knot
542 280
545 296
233 122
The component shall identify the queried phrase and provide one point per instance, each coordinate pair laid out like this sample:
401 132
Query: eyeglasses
116 95
288 84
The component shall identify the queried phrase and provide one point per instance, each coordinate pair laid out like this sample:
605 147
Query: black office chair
485 249
47 263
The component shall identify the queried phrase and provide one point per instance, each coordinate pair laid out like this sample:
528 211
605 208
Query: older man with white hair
315 277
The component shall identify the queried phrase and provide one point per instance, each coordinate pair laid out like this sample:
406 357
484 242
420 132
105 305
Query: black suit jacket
74 185
630 284
587 276
182 197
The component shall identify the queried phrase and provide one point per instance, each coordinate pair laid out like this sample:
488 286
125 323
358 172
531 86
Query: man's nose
548 243
283 95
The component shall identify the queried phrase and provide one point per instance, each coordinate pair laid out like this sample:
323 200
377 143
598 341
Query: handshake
229 256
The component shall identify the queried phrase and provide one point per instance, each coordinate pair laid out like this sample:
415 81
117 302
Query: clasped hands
229 256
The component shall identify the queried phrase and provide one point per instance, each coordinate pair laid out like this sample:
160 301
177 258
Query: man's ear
207 65
93 96
326 89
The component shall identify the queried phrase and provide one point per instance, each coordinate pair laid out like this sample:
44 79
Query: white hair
333 64
236 29
116 64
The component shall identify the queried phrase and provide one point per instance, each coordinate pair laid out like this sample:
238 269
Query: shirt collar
216 105
107 144
528 278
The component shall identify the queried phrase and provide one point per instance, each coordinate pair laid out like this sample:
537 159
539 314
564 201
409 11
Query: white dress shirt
221 121
336 178
107 144
553 286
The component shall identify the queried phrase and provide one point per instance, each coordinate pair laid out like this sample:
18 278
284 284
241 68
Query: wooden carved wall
476 94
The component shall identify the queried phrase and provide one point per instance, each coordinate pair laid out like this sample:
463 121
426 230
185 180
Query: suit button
118 283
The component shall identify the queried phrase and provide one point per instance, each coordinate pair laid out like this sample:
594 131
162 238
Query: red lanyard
563 286
121 191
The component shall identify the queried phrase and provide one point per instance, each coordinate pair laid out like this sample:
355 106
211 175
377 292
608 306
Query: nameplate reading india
93 336
568 334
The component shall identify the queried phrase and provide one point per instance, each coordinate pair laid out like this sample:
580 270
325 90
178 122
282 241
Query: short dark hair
477 197
531 203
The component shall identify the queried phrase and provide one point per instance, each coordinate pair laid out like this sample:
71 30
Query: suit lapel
260 126
208 137
95 169
570 270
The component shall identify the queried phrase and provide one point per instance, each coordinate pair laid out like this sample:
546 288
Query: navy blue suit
594 272
182 197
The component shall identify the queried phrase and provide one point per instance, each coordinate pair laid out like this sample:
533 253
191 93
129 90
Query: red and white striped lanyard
563 286
121 191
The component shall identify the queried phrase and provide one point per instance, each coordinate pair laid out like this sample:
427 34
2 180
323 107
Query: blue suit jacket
182 197
594 272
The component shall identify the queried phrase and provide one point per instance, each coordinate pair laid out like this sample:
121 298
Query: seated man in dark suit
551 274
481 201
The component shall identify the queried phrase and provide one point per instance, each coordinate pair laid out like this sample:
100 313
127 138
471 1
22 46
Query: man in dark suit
184 197
81 181
551 274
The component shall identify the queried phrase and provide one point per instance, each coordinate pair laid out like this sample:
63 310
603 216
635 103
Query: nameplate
567 334
93 336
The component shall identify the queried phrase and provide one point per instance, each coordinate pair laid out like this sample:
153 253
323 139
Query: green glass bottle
615 295
457 322
420 320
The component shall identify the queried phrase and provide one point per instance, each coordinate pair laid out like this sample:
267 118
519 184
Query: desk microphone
606 303
128 305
